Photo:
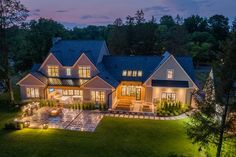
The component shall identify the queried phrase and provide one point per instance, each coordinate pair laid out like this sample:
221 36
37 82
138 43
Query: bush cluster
87 106
169 108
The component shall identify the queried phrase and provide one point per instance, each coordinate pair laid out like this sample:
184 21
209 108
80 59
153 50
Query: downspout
108 99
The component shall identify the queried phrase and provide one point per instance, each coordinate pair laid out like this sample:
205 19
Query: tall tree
211 124
12 13
42 31
195 23
139 17
167 21
219 26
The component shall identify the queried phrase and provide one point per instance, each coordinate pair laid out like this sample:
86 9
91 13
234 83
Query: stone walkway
148 116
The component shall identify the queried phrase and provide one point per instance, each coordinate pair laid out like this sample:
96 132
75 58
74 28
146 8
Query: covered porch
64 95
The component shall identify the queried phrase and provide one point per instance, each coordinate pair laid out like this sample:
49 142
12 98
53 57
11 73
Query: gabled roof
68 51
148 64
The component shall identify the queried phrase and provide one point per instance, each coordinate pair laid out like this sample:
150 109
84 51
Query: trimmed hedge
168 108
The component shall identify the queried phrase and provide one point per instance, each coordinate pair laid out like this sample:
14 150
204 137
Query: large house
84 71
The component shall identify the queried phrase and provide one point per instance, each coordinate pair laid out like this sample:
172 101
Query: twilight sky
101 12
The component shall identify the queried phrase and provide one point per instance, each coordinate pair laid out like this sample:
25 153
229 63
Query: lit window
129 73
128 90
124 73
140 73
78 93
68 92
134 73
170 73
82 81
168 96
32 92
84 72
53 71
98 96
68 71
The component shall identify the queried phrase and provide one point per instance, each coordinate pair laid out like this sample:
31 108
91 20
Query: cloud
157 9
85 17
62 11
35 12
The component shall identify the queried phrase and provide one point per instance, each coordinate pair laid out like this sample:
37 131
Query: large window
132 73
72 92
170 73
84 72
32 92
128 90
168 96
68 71
53 71
98 96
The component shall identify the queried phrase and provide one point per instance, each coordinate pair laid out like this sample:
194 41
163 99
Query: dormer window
170 73
124 73
68 71
53 71
132 73
84 72
140 73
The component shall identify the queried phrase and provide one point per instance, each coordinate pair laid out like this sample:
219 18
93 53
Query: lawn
114 137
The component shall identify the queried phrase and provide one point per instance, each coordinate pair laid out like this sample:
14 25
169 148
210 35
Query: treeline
202 38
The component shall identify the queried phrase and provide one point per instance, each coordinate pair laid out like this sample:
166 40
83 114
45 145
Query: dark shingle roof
148 64
187 65
106 76
116 64
68 51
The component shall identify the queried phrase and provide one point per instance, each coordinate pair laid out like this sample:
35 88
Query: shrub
10 126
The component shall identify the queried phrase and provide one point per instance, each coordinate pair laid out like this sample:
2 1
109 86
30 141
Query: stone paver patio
69 119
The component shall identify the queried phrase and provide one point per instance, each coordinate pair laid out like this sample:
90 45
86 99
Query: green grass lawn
114 137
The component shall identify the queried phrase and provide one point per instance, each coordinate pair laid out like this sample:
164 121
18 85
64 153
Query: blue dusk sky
102 12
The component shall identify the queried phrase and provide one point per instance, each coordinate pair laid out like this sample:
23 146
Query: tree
42 31
139 17
211 124
118 22
234 26
195 23
12 13
129 20
219 26
167 20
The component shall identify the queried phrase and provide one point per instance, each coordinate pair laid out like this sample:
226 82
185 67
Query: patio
67 119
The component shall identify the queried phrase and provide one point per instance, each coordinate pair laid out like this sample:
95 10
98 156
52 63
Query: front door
138 93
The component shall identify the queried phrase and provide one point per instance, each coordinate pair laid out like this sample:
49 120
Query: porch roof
170 83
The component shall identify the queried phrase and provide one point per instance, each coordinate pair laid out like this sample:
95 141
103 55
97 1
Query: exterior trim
50 54
179 66
83 54
93 79
18 83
